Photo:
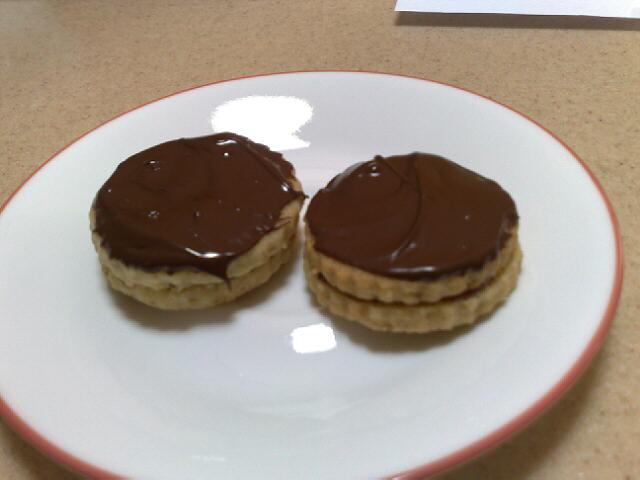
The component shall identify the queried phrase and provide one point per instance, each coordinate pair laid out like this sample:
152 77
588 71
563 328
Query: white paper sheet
596 8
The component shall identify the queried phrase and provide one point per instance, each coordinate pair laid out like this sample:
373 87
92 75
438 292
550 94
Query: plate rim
463 454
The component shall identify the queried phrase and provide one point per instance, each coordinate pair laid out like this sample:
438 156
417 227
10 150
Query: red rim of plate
464 454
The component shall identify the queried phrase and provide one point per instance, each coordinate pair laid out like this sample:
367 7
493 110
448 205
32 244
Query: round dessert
411 243
196 222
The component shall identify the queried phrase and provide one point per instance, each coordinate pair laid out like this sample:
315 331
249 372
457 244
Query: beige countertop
66 67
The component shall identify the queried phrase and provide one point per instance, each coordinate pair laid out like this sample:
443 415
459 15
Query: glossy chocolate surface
193 203
412 217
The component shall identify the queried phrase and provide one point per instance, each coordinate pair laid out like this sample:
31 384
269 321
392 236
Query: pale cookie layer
370 286
202 295
393 317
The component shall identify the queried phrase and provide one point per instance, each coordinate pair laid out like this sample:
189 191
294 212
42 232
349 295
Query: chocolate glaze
412 217
193 203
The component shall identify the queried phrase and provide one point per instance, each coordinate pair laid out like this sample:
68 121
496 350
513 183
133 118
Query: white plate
270 387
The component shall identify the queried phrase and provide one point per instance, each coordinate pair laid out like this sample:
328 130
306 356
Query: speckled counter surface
66 67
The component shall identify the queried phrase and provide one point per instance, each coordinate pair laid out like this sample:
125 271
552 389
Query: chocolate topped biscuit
411 217
195 203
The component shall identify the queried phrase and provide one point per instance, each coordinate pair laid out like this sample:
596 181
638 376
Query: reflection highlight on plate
313 338
268 119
